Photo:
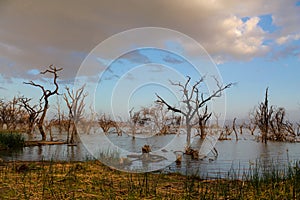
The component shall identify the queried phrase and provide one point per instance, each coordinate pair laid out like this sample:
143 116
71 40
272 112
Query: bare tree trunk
50 132
203 118
188 133
251 128
41 121
73 134
69 130
234 129
202 130
30 128
266 119
241 128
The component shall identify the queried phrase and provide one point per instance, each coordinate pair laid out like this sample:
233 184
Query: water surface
233 156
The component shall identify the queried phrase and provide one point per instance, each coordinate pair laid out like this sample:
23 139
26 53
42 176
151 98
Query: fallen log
39 143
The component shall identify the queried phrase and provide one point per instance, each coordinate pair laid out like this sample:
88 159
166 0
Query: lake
233 156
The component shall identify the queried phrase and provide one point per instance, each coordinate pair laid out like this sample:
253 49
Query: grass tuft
11 140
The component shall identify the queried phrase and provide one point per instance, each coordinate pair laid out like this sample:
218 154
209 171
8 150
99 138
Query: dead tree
251 127
33 112
159 115
58 122
91 120
193 100
13 113
226 131
241 128
76 105
164 123
262 117
279 127
290 129
133 122
45 96
106 123
202 121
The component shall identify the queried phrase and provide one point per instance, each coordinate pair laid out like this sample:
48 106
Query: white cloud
284 39
238 39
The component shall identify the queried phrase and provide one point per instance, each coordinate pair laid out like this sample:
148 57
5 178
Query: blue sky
255 44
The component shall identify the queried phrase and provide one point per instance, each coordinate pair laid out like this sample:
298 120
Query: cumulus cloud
39 33
238 39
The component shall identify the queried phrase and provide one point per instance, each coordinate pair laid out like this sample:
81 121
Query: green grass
92 180
11 140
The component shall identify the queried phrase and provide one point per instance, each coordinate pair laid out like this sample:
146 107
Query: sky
255 44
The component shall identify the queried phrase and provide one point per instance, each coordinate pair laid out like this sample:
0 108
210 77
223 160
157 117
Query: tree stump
193 153
146 149
178 159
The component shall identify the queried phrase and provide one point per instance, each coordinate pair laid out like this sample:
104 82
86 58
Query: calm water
233 155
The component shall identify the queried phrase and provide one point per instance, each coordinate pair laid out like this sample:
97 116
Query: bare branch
168 106
217 93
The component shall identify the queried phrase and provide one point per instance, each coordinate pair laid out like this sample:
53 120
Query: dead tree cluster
193 112
12 115
19 114
164 122
272 123
154 120
236 128
281 129
37 113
